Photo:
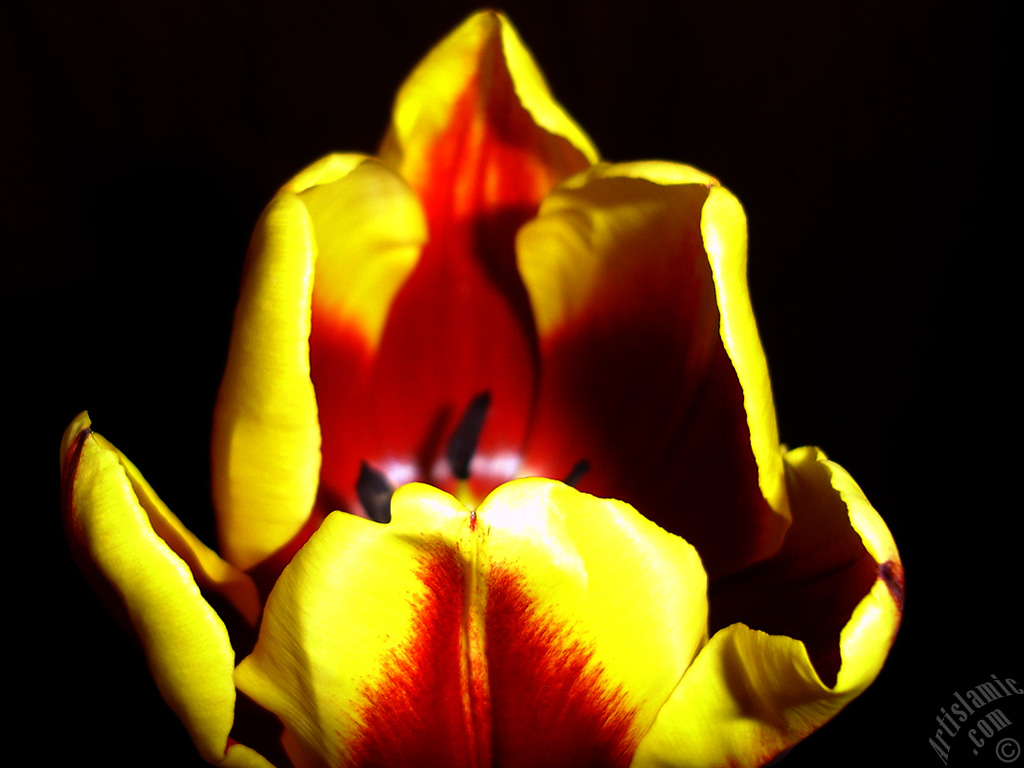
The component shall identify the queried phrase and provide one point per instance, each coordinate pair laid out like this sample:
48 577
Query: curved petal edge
759 694
724 229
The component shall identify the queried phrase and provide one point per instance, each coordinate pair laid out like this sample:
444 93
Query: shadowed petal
122 535
828 562
760 693
545 628
651 365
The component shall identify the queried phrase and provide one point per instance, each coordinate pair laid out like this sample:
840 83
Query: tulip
430 340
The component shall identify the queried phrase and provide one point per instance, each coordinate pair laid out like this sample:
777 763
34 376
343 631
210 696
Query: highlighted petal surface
266 437
115 524
546 628
652 369
760 693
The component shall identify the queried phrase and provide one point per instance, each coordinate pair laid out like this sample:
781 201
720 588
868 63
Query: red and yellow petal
369 230
761 686
650 361
147 565
545 628
332 250
481 89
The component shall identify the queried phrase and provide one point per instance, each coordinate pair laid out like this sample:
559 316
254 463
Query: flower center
374 489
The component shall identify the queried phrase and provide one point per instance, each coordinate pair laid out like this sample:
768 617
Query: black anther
463 442
375 493
579 469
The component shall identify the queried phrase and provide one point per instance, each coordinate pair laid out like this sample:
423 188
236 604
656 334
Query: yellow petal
456 637
115 522
758 694
637 278
266 438
598 215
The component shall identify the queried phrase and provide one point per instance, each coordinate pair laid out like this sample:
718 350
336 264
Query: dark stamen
462 445
374 492
579 469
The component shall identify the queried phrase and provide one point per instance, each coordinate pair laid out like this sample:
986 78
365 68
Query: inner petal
479 163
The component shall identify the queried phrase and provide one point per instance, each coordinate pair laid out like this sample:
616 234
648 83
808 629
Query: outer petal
761 693
115 524
613 253
350 226
545 628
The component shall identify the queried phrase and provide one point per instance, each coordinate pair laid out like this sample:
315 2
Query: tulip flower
531 383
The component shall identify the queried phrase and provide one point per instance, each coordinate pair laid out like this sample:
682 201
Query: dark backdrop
140 142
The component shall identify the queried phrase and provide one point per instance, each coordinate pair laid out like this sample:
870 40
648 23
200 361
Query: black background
140 142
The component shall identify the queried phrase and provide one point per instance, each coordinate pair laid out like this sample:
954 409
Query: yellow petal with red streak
547 624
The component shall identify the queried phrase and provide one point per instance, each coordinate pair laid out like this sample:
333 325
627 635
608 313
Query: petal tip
79 428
